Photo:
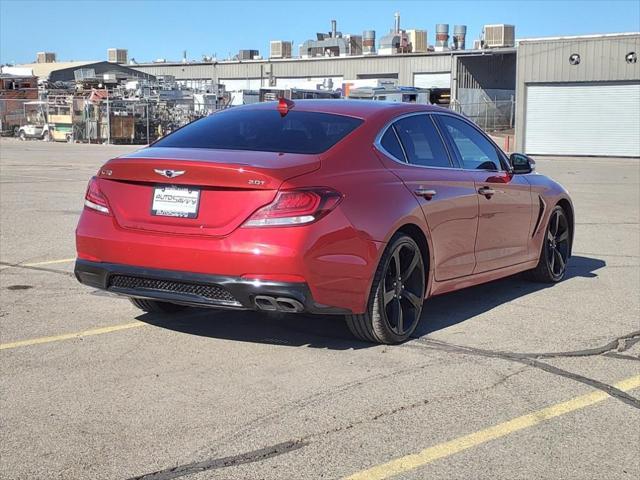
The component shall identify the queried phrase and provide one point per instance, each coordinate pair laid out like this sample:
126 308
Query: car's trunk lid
232 184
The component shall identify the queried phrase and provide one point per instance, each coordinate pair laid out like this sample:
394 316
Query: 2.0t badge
169 173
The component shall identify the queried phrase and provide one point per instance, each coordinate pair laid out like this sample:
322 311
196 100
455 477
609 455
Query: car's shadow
331 331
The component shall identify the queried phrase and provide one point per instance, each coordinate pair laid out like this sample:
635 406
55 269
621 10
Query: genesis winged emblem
169 173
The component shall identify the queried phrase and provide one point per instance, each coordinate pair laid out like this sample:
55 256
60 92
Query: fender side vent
543 207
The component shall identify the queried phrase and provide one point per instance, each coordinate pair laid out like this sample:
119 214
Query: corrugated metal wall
602 59
348 68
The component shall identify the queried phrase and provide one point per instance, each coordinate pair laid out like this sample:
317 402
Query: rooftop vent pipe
459 36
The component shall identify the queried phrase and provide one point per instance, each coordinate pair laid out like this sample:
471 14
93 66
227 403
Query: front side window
421 141
263 130
474 150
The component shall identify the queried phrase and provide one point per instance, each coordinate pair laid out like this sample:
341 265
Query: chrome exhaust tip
279 304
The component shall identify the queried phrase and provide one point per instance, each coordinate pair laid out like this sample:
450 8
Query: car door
414 150
505 199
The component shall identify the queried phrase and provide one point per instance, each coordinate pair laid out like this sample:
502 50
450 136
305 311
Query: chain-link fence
490 115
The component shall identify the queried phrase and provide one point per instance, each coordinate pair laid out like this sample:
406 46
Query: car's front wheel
154 306
397 293
552 264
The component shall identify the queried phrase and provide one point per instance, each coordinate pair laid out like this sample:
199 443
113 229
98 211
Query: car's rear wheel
552 265
23 136
46 136
154 306
397 293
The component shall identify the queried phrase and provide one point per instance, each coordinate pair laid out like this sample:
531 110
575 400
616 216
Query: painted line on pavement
446 449
49 262
68 336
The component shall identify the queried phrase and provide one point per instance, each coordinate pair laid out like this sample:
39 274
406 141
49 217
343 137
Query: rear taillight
296 207
94 198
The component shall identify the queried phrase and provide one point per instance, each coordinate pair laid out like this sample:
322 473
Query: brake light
95 199
284 106
296 207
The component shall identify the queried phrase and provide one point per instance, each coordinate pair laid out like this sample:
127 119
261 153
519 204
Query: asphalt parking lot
508 380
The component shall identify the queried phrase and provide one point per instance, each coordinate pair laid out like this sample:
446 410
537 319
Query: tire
22 135
154 306
554 254
46 136
401 272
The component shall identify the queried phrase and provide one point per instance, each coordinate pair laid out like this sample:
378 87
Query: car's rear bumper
200 290
334 260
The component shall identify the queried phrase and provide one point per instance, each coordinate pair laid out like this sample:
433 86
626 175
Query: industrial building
579 95
559 96
66 71
564 96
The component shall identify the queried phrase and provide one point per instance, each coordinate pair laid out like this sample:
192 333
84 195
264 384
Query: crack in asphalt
214 463
619 344
289 446
40 269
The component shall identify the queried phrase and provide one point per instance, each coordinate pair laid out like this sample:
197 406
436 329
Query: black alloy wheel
557 243
552 265
397 293
403 289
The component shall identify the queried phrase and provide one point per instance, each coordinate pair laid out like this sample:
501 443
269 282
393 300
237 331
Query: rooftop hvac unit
280 49
499 36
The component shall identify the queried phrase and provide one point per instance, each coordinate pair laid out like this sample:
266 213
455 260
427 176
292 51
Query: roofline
577 37
320 59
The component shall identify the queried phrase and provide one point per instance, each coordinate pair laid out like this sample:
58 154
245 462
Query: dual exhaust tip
278 304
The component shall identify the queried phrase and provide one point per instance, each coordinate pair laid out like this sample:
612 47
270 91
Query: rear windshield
263 130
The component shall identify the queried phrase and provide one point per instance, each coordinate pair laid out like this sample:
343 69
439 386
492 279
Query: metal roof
577 37
43 70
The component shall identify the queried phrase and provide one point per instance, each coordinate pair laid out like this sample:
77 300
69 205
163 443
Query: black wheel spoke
556 223
564 236
560 261
552 260
413 299
396 262
388 296
400 318
412 266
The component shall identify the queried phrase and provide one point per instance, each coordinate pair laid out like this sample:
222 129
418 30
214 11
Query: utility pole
108 119
147 123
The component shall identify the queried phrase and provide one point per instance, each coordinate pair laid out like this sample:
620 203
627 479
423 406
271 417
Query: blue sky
83 30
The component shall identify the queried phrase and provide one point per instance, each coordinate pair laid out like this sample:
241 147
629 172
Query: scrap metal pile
103 110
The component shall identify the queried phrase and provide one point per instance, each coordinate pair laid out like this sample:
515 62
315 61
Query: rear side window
390 143
264 130
421 141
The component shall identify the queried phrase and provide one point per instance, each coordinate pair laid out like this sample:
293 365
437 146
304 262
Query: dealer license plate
169 201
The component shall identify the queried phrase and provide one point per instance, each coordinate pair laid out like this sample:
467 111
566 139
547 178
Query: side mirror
521 163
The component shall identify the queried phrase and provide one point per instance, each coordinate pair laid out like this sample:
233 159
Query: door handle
426 193
486 191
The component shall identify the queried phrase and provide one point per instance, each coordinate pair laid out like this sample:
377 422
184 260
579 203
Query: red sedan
356 208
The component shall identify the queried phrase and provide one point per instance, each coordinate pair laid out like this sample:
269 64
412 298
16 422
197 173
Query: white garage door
432 80
578 119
